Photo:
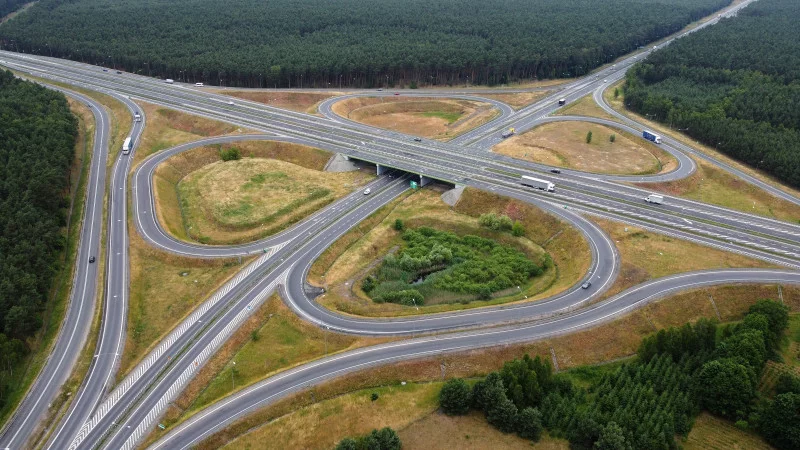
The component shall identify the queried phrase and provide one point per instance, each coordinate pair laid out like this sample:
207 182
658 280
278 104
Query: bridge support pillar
381 169
423 180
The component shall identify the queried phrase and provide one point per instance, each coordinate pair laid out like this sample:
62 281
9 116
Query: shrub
230 154
612 138
399 225
455 397
529 424
589 137
518 229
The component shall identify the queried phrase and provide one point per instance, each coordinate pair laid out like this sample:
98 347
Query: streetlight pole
233 380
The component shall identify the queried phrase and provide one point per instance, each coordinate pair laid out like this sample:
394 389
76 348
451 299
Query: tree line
734 86
9 6
647 403
348 43
38 137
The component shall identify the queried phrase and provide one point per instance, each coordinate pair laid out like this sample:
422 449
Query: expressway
139 399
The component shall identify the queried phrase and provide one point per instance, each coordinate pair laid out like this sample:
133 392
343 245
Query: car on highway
380 89
416 139
230 102
605 81
105 70
199 84
396 93
119 71
91 259
586 285
555 170
137 117
367 191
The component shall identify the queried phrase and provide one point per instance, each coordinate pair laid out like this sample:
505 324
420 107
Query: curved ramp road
77 321
219 415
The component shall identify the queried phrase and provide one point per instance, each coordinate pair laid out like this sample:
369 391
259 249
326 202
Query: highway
121 418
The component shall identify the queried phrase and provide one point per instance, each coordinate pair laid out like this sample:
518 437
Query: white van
169 81
199 84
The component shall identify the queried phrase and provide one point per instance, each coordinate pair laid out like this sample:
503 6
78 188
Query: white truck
654 199
508 133
537 183
127 145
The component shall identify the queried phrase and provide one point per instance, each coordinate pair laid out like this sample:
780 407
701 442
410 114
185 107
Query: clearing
305 102
433 118
711 432
201 198
563 144
645 255
346 262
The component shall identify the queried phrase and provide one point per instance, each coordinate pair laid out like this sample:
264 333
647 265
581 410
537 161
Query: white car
367 191
605 81
199 84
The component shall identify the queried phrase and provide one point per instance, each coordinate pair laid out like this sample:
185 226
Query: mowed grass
605 342
563 144
342 267
713 433
518 100
645 255
712 185
164 288
201 198
434 118
306 102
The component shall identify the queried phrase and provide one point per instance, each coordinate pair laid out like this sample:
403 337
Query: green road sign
414 185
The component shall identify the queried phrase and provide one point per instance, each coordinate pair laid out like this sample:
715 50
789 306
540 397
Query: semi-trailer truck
508 133
651 137
127 145
537 183
654 199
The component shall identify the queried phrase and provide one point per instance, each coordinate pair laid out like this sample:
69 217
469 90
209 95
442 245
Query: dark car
91 259
555 170
119 72
105 70
586 285
417 139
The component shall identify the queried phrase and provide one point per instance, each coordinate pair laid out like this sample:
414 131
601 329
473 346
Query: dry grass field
518 100
433 118
584 106
201 198
305 102
563 144
712 185
646 255
712 433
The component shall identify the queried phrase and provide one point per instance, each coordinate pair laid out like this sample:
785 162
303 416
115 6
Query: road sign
414 185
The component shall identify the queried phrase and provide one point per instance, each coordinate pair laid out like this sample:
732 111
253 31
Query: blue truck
651 136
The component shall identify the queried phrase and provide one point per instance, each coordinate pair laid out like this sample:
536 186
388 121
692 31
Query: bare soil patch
563 144
433 118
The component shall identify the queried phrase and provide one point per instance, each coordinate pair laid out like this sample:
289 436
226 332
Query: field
712 185
710 432
341 268
167 128
305 102
584 106
518 100
646 255
563 144
607 342
201 198
433 118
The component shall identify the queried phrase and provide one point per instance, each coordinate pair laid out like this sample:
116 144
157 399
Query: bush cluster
383 439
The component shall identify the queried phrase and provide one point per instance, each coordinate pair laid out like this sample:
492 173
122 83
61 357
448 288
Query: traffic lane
221 414
75 326
110 342
214 334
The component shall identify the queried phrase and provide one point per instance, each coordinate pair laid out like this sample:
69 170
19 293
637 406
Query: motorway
121 418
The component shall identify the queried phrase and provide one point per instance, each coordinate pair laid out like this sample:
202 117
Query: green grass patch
449 116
